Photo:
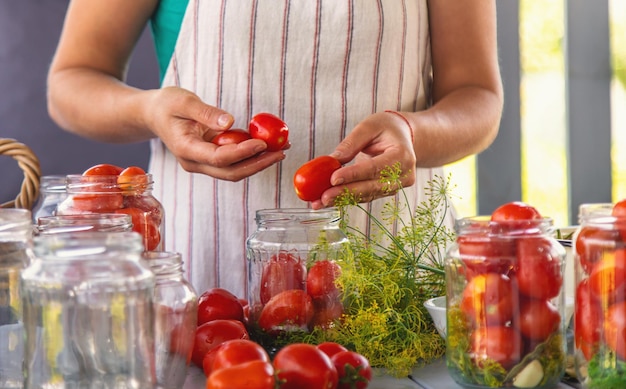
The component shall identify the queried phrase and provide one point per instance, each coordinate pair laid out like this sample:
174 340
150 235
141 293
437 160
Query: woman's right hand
186 126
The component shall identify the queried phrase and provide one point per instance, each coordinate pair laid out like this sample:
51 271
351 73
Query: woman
330 69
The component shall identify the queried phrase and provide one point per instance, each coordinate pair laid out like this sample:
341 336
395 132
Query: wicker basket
29 163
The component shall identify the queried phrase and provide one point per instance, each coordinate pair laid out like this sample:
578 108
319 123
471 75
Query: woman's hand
186 126
377 142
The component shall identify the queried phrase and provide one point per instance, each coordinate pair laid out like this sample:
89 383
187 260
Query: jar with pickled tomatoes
600 314
111 189
505 301
292 269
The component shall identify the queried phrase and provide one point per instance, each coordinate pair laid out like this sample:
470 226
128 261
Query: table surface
433 376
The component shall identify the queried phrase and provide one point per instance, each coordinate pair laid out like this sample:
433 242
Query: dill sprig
387 276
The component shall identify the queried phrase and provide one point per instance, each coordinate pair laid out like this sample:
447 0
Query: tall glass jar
88 312
132 196
176 310
51 194
600 314
505 304
291 271
103 222
15 253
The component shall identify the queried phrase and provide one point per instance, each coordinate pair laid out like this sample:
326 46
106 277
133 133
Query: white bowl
437 308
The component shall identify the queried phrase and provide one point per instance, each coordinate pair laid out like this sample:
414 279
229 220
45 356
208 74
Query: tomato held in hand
353 369
249 375
538 268
213 333
287 311
218 303
538 319
282 272
232 136
488 299
304 366
321 278
496 343
270 129
313 178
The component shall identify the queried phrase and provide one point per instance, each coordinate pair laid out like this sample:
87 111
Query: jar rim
483 223
302 215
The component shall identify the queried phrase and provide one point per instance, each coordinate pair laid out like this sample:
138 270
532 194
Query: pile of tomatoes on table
230 359
506 288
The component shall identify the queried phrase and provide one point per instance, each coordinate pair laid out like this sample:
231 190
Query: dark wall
29 30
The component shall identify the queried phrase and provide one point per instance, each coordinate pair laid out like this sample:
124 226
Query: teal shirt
165 25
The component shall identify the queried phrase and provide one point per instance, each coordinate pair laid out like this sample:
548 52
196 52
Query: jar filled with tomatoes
108 188
292 269
505 301
600 314
176 309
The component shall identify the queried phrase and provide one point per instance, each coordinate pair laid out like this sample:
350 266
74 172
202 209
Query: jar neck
483 225
89 246
297 217
50 185
102 222
106 184
166 266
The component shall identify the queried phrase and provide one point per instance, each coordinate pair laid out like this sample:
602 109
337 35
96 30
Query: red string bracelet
406 121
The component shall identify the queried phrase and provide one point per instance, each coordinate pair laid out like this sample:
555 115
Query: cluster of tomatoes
512 274
600 307
230 359
107 188
294 298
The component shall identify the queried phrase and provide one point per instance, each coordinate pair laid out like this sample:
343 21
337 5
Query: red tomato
538 319
218 303
354 370
321 277
591 242
328 309
213 333
232 136
103 169
515 210
145 225
282 272
607 280
313 178
233 352
331 348
180 341
489 299
615 329
485 253
250 375
496 343
270 129
304 366
619 209
587 320
538 270
132 180
287 311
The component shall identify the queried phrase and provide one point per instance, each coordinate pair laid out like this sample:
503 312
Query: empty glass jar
15 254
176 311
288 255
88 312
103 222
505 304
51 194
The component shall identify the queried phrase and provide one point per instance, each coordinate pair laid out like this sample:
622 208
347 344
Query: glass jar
102 222
289 255
176 310
104 194
15 253
88 312
600 314
51 194
505 304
